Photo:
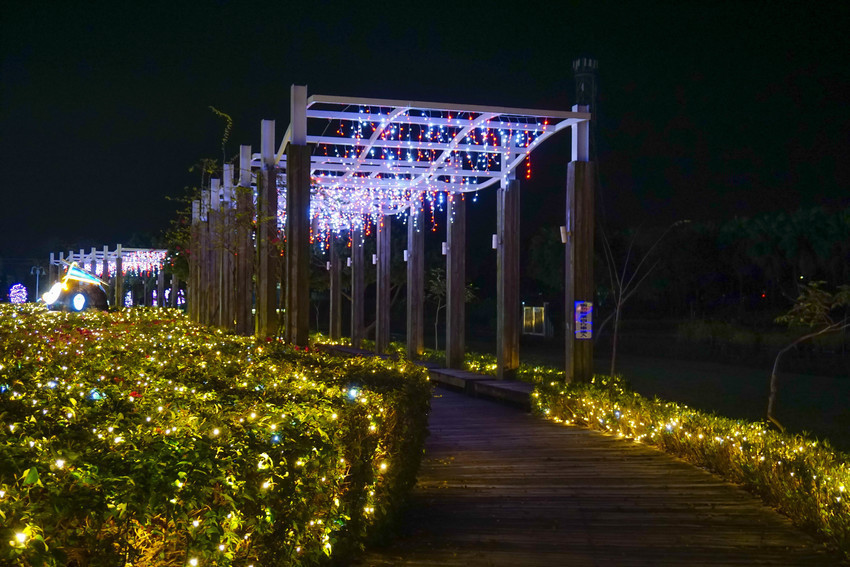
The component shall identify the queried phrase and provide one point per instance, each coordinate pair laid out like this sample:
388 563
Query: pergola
344 163
114 265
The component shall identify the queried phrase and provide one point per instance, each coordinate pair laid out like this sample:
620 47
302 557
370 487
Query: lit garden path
499 487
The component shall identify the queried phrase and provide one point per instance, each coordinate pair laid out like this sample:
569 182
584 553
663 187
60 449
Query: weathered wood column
415 282
579 286
175 291
119 276
244 292
298 222
382 303
193 285
456 281
335 327
205 268
105 269
215 254
358 285
267 254
160 287
228 250
507 279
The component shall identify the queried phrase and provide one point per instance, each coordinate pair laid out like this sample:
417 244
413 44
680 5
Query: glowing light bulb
60 463
21 537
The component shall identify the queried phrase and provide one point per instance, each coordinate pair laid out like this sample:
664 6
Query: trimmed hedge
137 438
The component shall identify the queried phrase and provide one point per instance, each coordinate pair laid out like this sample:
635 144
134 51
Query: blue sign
583 320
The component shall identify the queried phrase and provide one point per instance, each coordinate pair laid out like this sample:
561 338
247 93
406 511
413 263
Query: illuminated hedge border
137 438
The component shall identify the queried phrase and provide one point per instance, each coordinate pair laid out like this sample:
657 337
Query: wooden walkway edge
501 487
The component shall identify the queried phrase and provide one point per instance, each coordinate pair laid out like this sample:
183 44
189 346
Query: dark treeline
743 269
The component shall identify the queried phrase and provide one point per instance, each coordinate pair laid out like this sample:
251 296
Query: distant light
51 296
79 302
18 293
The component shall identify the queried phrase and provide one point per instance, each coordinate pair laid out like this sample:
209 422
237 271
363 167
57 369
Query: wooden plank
579 284
266 321
415 283
456 281
382 299
358 285
499 486
335 330
297 305
507 279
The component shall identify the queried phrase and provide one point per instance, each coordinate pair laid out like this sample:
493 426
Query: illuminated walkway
499 487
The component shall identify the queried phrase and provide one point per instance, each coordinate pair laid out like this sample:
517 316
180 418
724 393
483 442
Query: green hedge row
807 480
137 438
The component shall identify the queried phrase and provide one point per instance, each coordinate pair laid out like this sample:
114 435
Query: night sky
707 110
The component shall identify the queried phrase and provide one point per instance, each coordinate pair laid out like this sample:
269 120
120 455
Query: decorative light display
135 261
18 293
378 157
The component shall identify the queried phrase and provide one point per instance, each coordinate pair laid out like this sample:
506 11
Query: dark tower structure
585 71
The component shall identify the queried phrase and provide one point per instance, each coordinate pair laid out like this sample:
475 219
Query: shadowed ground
499 487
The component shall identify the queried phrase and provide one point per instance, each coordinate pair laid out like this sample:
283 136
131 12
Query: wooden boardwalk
500 487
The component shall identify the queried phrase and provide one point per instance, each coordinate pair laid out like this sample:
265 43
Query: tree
435 290
815 308
625 281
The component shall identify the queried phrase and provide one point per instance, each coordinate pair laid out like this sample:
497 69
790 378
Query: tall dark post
335 330
382 303
267 253
244 294
119 277
357 287
507 284
415 282
456 282
580 225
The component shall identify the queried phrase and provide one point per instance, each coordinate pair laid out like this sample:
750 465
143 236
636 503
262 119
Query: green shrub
137 438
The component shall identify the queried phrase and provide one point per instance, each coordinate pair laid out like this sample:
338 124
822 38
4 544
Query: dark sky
706 109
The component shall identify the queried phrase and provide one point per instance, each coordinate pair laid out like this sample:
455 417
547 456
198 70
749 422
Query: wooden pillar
358 285
579 284
205 270
228 237
105 268
267 253
415 282
192 286
93 261
456 281
298 222
507 279
382 303
51 271
244 294
335 327
160 287
175 291
215 254
119 277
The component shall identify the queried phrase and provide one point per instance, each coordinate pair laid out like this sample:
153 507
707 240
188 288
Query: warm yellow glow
21 537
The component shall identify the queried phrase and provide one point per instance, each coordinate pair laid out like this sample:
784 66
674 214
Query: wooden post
119 277
105 268
456 281
193 285
579 284
215 254
382 303
244 246
415 282
160 287
507 279
228 236
357 287
93 261
51 271
335 330
298 222
204 291
267 253
175 291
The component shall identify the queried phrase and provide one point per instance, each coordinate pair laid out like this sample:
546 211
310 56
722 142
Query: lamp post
37 271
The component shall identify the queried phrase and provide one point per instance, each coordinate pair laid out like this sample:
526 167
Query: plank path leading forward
500 487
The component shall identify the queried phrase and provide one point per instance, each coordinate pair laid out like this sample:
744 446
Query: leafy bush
137 438
805 479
